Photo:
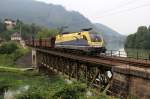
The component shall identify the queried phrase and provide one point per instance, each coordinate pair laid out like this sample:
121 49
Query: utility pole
20 30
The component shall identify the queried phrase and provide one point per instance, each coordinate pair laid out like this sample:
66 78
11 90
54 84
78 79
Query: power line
120 6
126 10
128 3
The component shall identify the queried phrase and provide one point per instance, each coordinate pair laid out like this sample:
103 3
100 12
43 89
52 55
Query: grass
8 60
42 86
39 84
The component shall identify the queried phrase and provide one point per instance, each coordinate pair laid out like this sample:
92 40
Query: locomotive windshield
95 37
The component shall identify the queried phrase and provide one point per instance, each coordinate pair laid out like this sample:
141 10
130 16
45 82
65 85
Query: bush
8 48
6 60
31 95
45 33
74 91
10 52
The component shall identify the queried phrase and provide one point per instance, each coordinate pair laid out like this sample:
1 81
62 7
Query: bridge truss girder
93 75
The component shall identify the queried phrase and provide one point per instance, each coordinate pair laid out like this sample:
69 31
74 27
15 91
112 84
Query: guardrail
128 54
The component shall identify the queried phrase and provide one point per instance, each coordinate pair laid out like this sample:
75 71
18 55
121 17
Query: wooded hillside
139 40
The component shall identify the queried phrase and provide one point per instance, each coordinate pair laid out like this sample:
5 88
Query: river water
10 94
132 53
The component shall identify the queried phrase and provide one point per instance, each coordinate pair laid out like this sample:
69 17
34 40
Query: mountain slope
44 14
52 16
113 39
109 34
106 30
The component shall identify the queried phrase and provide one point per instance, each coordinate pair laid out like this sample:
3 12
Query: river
131 53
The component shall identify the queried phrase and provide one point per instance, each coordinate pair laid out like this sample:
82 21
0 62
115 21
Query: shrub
31 95
6 60
8 48
74 91
10 52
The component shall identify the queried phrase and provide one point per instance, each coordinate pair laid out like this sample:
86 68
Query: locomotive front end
96 43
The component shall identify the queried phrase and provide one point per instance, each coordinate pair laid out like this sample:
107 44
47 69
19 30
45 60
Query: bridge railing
116 53
128 54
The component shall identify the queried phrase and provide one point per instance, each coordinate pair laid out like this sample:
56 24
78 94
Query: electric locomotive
85 41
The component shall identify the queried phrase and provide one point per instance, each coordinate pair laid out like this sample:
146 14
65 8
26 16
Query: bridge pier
34 58
130 83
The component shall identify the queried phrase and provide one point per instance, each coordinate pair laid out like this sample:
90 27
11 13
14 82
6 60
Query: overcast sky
123 16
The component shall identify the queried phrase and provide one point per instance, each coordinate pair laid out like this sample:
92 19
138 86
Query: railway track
125 60
101 59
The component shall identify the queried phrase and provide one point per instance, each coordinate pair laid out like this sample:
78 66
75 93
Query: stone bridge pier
34 58
131 82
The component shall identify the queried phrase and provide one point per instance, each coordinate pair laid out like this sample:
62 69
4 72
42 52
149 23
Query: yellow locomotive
84 41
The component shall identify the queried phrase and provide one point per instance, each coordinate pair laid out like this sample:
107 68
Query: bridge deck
103 60
88 59
127 74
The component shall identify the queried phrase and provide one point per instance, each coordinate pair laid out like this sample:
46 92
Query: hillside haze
108 32
44 14
52 16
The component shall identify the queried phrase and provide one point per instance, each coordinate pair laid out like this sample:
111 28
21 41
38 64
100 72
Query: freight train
84 41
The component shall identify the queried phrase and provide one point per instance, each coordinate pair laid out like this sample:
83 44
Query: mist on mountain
52 16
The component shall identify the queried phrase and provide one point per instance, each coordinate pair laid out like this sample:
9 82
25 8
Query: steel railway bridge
109 73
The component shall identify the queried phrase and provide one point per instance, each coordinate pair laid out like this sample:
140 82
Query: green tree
140 40
130 41
8 48
2 27
27 30
140 36
45 33
7 34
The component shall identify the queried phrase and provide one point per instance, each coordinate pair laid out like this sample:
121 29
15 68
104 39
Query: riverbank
14 70
17 83
10 52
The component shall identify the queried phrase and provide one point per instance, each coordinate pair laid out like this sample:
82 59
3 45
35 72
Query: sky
124 16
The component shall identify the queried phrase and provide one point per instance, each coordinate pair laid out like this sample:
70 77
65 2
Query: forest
27 31
140 39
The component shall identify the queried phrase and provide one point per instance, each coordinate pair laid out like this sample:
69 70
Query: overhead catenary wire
126 10
120 6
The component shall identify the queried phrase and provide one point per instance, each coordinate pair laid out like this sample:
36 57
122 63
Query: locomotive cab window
95 38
